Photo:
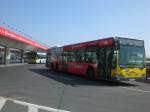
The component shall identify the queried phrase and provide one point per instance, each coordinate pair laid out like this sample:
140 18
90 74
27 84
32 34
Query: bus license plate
131 79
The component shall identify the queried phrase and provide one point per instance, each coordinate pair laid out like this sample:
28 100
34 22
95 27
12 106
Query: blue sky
61 22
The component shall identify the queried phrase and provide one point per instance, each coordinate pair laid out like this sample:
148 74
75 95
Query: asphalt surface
38 86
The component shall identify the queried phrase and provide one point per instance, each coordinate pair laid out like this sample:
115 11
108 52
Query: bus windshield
131 56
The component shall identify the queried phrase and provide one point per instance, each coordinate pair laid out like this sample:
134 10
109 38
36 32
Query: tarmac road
33 88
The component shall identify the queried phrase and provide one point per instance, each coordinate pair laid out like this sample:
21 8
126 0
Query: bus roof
100 42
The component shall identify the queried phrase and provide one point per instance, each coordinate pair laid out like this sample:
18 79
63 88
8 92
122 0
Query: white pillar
7 55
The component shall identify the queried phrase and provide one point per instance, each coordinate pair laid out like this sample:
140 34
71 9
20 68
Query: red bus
113 58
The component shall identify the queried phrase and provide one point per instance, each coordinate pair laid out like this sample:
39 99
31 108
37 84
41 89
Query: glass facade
15 56
2 54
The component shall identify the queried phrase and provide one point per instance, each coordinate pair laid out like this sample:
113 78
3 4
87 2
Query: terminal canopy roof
13 40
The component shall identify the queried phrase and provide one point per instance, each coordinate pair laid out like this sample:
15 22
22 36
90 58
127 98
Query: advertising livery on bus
114 58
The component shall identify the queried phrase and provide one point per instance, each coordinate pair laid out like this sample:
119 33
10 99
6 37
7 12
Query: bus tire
90 73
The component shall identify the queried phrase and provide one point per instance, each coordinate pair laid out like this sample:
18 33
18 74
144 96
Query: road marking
14 98
31 107
2 103
138 90
36 107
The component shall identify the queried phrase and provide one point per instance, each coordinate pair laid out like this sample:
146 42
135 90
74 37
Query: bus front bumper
128 79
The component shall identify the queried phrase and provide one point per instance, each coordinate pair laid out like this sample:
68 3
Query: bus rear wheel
90 74
56 68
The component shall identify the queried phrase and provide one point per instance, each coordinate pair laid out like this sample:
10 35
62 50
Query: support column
2 55
22 56
7 55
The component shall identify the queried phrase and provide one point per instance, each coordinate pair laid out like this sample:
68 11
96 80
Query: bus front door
104 63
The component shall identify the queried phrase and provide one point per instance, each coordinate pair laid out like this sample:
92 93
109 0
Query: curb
11 65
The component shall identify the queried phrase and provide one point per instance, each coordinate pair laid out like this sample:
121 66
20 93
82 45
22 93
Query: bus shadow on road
143 81
76 80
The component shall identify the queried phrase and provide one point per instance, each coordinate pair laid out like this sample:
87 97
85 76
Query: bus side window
64 57
80 55
68 56
91 57
71 57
